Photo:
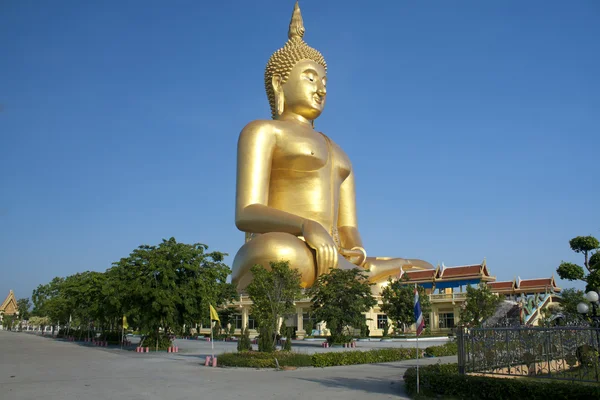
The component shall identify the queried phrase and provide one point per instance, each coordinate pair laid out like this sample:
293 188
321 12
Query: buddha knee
273 247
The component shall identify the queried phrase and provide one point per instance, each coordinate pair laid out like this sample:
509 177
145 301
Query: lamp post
584 309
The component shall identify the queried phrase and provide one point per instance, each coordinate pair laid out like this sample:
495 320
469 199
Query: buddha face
305 90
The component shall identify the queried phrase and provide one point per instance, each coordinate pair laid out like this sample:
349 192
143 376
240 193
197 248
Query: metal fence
567 353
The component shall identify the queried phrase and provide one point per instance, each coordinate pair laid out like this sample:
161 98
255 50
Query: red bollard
214 361
169 350
207 361
176 349
147 349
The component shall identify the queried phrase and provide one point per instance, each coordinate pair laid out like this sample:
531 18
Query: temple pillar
431 322
300 333
245 313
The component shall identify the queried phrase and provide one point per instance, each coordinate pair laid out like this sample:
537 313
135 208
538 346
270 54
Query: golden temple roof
9 305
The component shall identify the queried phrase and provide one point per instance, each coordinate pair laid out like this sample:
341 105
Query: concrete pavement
33 367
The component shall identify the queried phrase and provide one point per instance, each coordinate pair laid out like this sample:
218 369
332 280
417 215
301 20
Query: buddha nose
322 91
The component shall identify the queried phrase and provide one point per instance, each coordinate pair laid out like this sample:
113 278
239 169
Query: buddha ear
278 90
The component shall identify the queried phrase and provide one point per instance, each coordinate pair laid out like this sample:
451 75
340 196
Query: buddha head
296 75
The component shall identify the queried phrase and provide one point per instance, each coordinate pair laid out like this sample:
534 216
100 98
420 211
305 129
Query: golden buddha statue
295 190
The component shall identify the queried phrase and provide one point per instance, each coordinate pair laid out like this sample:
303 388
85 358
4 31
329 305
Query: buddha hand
356 255
321 241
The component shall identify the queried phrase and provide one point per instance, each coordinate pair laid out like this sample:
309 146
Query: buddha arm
347 220
254 157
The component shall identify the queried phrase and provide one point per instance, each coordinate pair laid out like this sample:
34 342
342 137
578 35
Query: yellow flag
213 314
125 324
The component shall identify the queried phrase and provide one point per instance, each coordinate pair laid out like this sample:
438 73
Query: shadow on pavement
366 384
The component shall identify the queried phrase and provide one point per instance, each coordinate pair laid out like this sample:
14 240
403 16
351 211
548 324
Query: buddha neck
289 116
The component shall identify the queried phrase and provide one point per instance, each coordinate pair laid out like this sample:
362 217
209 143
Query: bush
287 345
111 337
386 329
447 349
361 357
164 341
308 327
253 359
587 356
265 339
365 332
244 343
444 380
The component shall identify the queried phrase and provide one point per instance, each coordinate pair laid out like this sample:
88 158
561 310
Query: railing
565 353
434 298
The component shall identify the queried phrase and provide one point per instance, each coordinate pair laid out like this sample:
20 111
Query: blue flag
418 314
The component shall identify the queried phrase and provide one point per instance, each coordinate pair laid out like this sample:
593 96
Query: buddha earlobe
279 97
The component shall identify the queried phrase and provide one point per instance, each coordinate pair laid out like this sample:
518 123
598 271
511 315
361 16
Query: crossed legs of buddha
278 246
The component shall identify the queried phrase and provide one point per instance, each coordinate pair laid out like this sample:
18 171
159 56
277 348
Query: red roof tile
461 271
417 275
535 282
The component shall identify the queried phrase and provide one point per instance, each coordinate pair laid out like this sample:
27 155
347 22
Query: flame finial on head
284 59
296 24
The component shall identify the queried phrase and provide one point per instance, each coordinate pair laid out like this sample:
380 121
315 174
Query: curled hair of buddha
284 59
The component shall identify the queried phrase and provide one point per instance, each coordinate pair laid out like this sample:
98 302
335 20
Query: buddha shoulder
258 132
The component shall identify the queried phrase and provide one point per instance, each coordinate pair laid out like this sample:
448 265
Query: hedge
444 380
447 349
254 359
331 359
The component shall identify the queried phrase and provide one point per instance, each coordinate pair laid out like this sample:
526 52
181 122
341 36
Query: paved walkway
33 367
300 346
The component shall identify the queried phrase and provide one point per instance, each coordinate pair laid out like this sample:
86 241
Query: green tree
49 300
226 316
574 272
169 285
273 292
83 292
40 322
8 321
569 298
24 305
340 298
479 305
398 302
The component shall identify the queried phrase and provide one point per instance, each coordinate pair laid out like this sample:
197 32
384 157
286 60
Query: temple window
236 320
382 319
252 322
306 317
446 320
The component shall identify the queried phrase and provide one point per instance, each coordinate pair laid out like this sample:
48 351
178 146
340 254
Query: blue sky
472 126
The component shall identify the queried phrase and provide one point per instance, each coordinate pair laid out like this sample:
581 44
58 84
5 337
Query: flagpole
122 332
417 306
212 342
417 362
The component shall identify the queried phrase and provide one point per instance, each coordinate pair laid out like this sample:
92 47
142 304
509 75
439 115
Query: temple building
446 288
8 306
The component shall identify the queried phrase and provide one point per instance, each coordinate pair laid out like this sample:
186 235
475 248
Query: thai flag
418 313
